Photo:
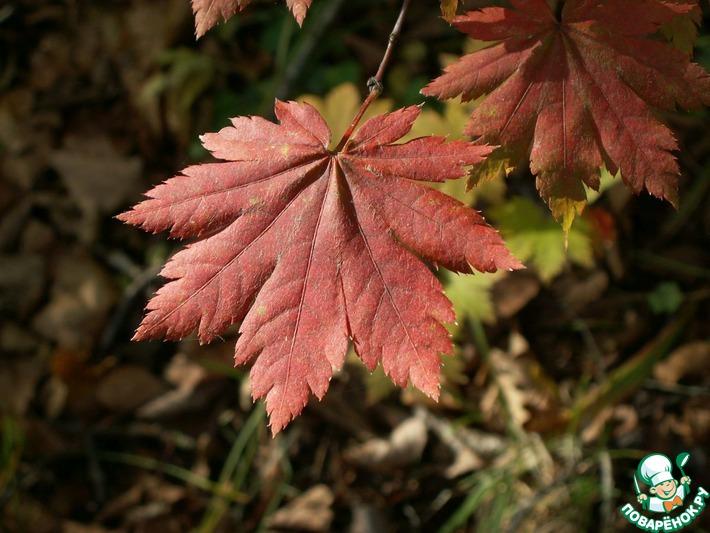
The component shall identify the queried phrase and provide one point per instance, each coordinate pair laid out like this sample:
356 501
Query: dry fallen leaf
691 359
311 511
403 447
77 527
18 378
514 292
21 284
81 297
575 293
508 383
146 488
127 387
194 385
463 443
98 177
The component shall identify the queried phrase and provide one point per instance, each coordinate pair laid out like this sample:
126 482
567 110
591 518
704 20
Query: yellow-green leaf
448 8
682 31
471 296
451 123
607 180
534 237
340 106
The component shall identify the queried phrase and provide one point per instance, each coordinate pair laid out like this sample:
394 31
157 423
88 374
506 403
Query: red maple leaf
209 13
309 248
575 88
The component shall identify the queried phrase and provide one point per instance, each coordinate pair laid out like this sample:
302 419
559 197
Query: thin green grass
235 469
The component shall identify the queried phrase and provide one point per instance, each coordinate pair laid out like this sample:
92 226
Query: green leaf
666 298
682 31
534 237
606 181
471 296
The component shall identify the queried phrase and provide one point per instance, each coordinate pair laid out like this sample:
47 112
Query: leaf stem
374 84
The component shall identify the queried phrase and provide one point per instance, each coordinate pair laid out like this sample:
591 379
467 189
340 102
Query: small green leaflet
537 240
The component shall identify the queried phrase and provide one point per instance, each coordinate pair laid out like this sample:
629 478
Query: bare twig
374 84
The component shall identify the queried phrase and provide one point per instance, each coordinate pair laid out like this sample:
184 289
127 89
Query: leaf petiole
374 84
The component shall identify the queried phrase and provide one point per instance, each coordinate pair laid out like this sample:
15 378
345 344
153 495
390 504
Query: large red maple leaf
209 13
309 248
575 86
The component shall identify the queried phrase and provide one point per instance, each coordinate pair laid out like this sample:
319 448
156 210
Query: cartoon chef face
665 489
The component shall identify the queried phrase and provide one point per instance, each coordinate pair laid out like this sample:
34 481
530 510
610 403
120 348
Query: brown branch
374 84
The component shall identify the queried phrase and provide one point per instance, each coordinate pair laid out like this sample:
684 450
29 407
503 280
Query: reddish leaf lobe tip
209 13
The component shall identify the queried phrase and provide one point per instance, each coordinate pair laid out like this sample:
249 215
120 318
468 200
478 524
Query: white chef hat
654 469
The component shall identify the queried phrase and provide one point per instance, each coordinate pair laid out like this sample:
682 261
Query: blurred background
566 373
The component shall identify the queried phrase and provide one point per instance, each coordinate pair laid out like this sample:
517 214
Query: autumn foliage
211 12
576 90
309 249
